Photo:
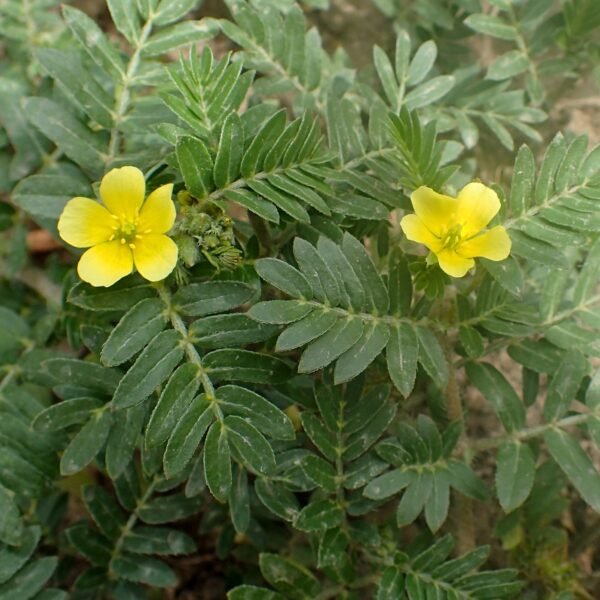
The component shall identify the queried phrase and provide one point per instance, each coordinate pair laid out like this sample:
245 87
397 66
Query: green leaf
262 143
125 17
68 133
262 414
81 373
314 268
306 330
377 295
187 435
564 385
251 445
385 71
250 592
341 337
239 500
196 166
230 151
121 296
431 356
508 65
90 543
389 484
66 413
576 465
277 498
138 327
174 400
243 365
422 62
279 312
357 358
320 436
291 578
253 203
494 387
156 362
466 482
12 558
11 527
67 69
391 584
515 474
178 36
30 579
210 297
284 277
436 506
93 41
158 540
169 11
414 498
319 515
165 509
429 92
491 25
44 196
86 444
106 513
123 438
507 273
401 353
144 569
217 462
229 330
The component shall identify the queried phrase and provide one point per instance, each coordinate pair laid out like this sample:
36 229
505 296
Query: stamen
147 231
138 236
122 240
112 237
132 246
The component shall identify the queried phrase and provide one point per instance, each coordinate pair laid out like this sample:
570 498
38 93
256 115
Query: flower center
452 237
125 231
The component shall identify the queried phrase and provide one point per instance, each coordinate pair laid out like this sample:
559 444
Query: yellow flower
126 231
452 228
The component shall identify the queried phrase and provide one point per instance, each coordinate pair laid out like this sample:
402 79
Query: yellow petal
493 244
415 231
84 223
477 206
155 256
105 263
435 210
158 212
122 190
453 264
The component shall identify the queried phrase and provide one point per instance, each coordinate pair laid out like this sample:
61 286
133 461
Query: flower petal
493 244
155 256
158 212
105 263
415 230
453 264
84 223
435 210
477 206
122 190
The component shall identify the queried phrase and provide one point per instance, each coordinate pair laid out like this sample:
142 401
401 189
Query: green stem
531 432
131 522
123 92
190 350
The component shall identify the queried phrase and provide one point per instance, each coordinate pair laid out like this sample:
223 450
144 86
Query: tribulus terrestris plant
280 320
